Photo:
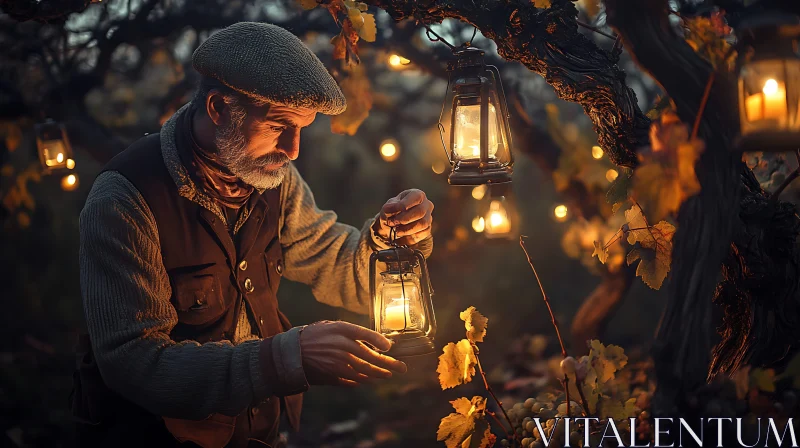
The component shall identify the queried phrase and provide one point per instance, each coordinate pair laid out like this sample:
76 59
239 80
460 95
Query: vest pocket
197 298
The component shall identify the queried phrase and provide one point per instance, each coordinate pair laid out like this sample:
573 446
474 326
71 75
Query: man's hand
334 353
410 213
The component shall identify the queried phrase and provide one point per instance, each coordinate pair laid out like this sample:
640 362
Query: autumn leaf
369 29
606 360
456 364
608 407
619 189
763 379
475 323
308 4
666 177
458 427
792 371
541 3
654 250
358 93
591 7
339 46
601 251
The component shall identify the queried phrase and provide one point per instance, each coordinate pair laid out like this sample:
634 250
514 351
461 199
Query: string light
438 167
70 164
611 175
69 182
396 61
390 150
479 192
478 224
560 212
597 152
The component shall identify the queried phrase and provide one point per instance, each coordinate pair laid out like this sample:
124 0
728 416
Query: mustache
277 158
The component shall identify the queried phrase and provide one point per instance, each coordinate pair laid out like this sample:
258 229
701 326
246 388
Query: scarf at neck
206 170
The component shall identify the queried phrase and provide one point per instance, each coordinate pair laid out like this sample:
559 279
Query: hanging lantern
499 221
769 83
53 146
479 135
401 307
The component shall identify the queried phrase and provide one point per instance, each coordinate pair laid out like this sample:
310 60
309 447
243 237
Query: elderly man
184 239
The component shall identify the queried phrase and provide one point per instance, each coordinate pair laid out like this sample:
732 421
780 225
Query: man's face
257 142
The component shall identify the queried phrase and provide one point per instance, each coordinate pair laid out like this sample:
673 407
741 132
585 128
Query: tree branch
547 42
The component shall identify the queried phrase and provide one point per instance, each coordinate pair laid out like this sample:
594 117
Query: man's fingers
413 214
378 359
359 333
417 226
404 201
363 367
413 239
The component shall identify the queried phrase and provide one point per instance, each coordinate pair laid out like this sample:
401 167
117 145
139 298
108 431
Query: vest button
199 301
243 265
248 285
261 320
279 267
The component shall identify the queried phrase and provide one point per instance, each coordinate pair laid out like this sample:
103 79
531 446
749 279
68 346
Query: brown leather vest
211 273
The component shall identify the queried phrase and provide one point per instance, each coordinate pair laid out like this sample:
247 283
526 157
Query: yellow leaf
308 4
590 6
354 14
357 91
654 250
458 427
456 364
601 251
475 323
541 3
606 360
339 46
23 219
763 379
368 30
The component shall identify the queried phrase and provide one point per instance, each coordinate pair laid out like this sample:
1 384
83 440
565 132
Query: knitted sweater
126 297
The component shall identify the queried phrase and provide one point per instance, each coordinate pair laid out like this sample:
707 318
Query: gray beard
232 146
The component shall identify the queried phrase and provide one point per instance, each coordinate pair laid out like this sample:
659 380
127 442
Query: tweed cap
271 64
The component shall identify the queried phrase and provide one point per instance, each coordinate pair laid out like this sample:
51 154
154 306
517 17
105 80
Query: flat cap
271 64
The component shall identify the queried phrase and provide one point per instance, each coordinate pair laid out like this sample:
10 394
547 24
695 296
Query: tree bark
600 306
547 42
706 221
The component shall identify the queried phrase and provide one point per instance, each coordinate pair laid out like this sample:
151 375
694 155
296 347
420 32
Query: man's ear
216 108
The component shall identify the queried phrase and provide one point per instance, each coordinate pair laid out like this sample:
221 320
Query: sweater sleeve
126 298
331 257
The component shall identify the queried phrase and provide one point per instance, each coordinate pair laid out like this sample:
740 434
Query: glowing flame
478 224
60 157
397 61
770 87
70 164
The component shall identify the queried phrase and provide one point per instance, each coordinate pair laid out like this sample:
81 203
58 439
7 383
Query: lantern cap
466 57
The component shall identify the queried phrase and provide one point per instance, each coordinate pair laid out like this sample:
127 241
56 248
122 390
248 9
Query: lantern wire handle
393 242
437 38
474 32
441 126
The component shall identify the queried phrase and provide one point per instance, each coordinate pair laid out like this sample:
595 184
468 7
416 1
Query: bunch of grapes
522 417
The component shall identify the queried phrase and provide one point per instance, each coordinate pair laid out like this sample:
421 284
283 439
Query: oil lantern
769 83
52 143
479 135
500 219
401 307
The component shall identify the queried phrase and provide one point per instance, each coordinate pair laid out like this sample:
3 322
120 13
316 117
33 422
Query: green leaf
606 360
369 29
619 189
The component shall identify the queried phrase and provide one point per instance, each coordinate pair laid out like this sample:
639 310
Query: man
184 239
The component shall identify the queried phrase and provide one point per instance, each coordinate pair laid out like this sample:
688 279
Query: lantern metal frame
473 80
763 38
402 260
51 131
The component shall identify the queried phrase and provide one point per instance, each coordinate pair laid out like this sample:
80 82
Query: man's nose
289 143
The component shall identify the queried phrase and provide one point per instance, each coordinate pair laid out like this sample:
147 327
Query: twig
595 29
499 423
491 392
552 316
791 177
585 403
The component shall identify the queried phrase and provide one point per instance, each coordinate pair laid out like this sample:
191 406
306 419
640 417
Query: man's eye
277 128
